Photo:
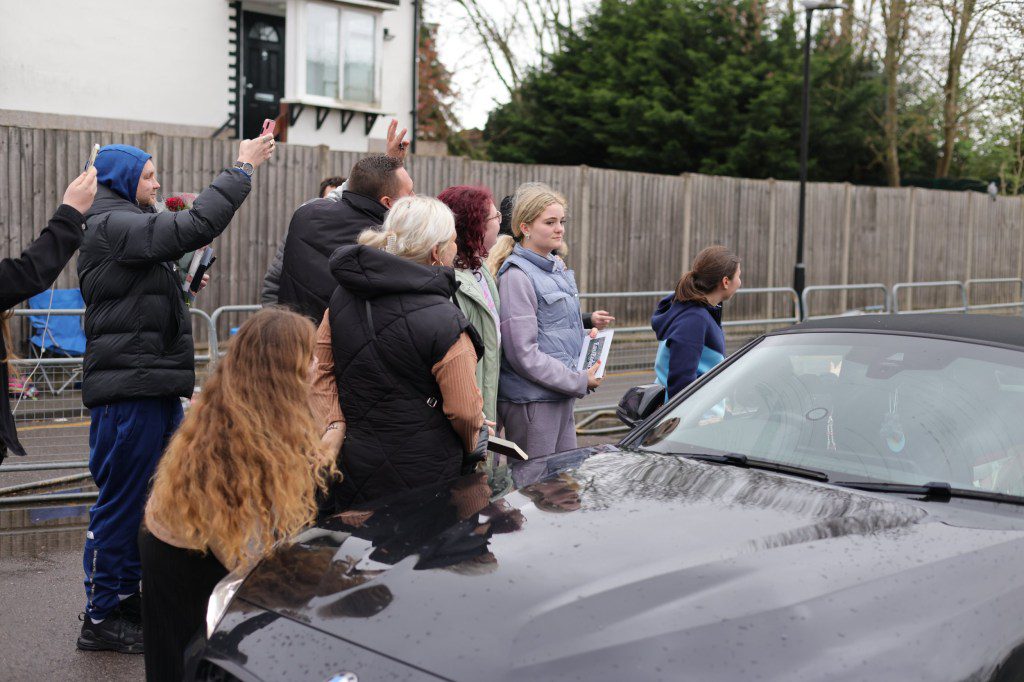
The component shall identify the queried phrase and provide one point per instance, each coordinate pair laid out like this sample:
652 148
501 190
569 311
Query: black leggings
176 585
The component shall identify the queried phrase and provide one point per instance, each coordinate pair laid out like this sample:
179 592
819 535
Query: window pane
360 56
322 50
265 32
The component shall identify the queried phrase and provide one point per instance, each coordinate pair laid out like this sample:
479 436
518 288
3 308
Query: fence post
584 226
912 198
151 141
687 217
1020 249
847 215
773 235
969 269
323 161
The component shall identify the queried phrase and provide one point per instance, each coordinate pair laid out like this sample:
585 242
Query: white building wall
123 64
140 60
397 100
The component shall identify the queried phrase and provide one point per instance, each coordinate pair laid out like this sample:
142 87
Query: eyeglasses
496 216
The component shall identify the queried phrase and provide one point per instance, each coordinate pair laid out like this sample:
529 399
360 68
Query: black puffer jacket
317 229
137 327
24 277
397 435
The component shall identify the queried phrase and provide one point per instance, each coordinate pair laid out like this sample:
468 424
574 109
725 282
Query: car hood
649 566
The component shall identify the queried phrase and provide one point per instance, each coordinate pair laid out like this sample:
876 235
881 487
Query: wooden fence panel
941 245
784 202
626 231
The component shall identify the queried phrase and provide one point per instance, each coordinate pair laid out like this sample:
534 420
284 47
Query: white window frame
296 90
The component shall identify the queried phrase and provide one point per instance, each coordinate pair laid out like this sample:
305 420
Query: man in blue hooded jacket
139 361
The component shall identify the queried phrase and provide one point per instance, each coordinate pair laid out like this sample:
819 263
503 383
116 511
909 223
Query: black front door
263 67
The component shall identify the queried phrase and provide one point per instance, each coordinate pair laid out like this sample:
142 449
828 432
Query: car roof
999 330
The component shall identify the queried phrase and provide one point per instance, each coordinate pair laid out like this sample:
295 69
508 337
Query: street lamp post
799 270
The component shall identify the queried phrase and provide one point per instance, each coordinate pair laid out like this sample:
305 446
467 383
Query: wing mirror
639 403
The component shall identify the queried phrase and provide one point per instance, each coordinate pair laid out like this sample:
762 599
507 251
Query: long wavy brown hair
243 470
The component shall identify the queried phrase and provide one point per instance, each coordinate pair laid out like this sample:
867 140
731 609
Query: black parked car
841 500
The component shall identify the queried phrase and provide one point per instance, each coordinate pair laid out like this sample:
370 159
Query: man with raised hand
319 227
139 361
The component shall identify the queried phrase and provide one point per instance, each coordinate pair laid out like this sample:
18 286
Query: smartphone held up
92 157
269 126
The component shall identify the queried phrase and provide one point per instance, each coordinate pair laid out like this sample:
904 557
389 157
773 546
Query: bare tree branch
517 36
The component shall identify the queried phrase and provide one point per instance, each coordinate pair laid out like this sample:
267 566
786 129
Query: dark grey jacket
272 280
137 328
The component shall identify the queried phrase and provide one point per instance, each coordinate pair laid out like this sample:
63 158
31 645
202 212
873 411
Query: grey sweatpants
539 428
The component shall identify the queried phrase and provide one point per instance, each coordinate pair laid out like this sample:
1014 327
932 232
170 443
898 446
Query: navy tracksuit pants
126 440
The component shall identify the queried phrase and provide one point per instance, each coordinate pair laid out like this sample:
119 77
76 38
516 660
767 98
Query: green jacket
473 305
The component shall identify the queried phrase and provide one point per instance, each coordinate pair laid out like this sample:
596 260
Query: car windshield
864 406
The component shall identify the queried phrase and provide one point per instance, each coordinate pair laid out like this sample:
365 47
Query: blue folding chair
57 336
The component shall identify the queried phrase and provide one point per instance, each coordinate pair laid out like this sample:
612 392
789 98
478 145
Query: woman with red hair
477 221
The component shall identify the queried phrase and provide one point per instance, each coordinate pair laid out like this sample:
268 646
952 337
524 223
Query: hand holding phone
203 271
81 192
269 125
256 151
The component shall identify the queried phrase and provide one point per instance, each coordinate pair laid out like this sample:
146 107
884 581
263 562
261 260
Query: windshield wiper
736 459
934 490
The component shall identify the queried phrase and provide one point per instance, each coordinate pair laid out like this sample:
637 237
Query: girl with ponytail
688 323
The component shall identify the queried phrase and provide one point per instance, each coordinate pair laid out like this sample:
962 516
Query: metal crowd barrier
636 350
904 286
211 331
972 283
788 291
884 308
628 294
635 347
790 294
43 312
220 312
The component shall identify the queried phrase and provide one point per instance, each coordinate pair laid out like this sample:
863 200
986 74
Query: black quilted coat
397 435
318 228
24 277
137 327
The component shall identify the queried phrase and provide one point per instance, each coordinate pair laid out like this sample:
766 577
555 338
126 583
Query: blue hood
119 166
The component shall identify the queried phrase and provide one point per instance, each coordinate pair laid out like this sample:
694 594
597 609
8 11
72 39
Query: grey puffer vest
559 324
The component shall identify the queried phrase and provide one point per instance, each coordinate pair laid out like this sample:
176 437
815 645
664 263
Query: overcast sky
460 51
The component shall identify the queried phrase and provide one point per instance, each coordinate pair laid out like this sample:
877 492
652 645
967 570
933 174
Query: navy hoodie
692 341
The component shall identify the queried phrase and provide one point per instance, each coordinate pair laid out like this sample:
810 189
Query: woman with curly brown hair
241 473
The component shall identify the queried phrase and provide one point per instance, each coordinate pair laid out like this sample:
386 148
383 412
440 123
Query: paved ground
39 621
41 570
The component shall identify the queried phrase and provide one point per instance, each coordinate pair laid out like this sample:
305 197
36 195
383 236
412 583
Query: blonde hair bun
413 226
